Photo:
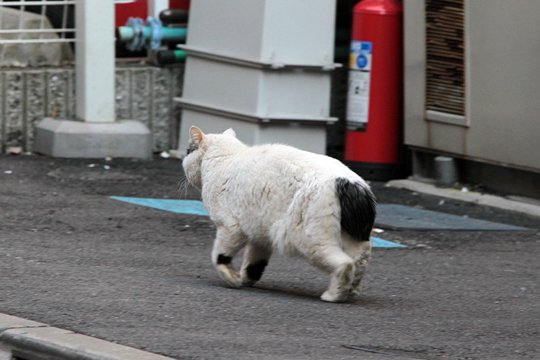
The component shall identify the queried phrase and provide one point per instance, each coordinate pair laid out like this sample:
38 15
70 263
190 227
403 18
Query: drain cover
400 217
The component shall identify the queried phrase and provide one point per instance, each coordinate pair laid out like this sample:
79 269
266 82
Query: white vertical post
94 69
157 6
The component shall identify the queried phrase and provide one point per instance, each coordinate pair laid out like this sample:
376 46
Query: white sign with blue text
359 84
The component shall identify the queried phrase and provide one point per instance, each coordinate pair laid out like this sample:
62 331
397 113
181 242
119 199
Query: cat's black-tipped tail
358 208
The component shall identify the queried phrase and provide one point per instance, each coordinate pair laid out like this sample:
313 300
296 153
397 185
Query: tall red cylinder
373 139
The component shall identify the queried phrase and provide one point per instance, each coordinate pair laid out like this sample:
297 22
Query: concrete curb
471 196
30 340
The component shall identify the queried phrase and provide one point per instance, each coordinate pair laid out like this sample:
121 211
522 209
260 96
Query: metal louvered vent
445 48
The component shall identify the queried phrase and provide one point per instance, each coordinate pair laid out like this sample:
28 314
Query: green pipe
170 56
127 33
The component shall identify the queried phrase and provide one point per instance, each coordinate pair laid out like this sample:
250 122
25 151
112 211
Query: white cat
276 197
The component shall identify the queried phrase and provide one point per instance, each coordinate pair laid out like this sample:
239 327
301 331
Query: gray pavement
73 258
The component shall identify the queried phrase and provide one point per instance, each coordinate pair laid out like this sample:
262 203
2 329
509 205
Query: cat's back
291 161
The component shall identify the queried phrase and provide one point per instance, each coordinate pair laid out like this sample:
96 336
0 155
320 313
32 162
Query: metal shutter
445 49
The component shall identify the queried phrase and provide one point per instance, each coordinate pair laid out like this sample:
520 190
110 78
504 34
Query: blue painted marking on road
381 243
195 207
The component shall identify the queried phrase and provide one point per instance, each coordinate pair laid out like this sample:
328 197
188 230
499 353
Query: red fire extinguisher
373 139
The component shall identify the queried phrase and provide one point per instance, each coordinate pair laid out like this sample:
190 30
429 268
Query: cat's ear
196 135
229 132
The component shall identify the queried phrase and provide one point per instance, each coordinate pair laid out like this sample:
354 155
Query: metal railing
51 17
37 21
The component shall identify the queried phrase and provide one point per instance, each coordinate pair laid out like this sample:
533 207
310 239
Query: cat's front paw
230 276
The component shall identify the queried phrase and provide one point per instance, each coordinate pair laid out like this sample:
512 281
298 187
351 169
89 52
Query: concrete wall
143 93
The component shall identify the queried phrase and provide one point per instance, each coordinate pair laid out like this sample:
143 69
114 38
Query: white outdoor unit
279 32
262 67
287 93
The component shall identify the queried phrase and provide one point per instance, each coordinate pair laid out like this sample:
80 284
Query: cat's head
199 143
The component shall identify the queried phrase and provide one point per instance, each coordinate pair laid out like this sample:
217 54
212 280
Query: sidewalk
75 259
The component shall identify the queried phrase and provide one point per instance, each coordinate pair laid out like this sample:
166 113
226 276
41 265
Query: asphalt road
73 258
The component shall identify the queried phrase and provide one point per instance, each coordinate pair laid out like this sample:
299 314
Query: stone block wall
143 93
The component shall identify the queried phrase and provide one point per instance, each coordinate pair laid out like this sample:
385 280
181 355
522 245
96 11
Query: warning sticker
359 84
360 55
358 97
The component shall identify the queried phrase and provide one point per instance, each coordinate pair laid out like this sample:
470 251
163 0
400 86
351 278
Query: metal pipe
150 34
174 16
446 172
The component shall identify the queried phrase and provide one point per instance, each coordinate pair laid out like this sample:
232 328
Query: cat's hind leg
255 260
360 252
226 245
333 260
342 273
